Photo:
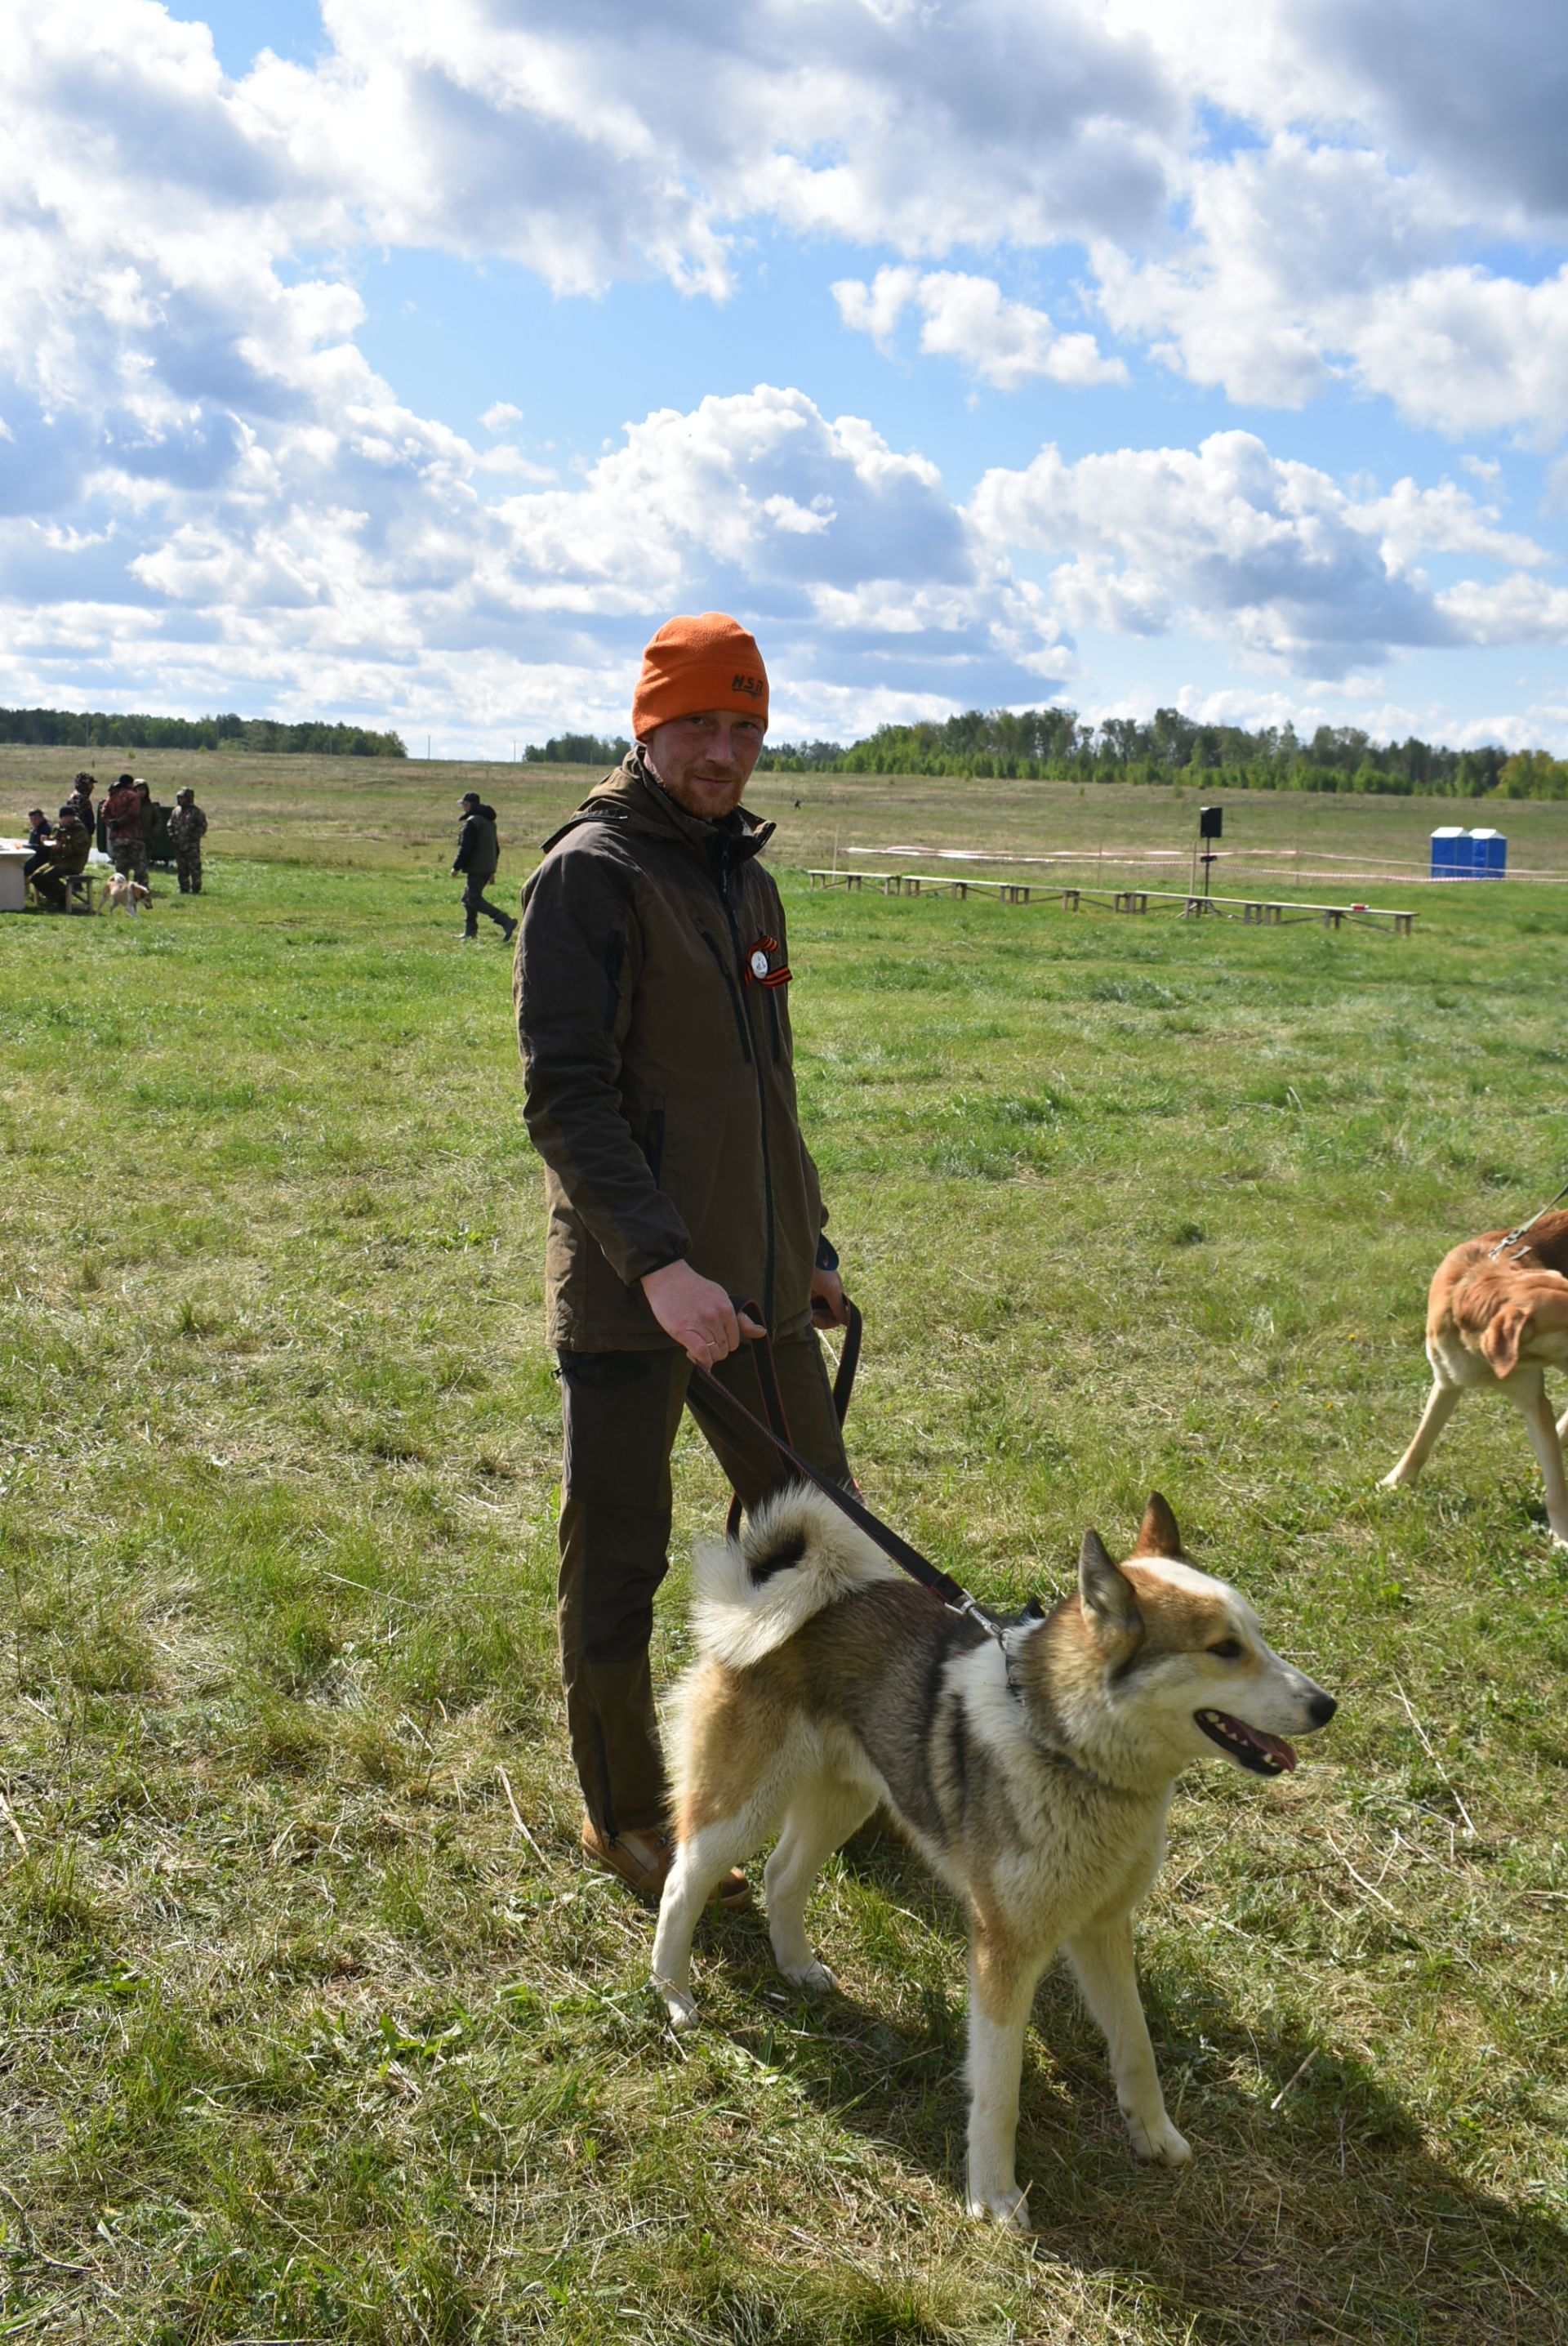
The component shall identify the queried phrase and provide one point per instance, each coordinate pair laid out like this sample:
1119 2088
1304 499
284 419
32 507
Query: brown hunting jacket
660 1085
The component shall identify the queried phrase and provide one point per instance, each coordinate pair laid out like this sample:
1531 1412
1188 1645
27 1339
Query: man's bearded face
705 762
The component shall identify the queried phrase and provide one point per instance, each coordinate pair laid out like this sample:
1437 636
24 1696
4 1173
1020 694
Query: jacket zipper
756 1058
741 1028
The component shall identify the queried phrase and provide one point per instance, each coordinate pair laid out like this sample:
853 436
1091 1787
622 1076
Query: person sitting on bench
38 840
66 860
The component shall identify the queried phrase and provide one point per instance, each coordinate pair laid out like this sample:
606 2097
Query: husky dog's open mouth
1249 1747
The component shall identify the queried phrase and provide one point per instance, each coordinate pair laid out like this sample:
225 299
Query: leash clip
1512 1237
966 1604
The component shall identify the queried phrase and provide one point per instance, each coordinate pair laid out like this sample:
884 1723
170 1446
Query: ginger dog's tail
796 1554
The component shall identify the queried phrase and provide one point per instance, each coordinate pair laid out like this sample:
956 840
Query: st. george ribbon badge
762 965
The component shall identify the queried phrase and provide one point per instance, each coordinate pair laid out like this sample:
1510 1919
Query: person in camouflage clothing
66 860
81 802
122 829
187 830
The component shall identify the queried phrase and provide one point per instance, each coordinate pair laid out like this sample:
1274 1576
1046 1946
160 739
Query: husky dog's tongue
1265 1755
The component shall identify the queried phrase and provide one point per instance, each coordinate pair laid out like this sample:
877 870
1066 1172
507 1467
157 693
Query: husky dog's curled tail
797 1555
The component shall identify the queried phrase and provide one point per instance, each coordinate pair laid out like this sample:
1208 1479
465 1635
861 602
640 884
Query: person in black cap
478 854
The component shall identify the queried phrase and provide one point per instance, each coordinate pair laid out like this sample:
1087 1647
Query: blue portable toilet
1447 841
1489 854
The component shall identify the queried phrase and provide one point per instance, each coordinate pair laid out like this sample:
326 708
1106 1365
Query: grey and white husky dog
1032 1773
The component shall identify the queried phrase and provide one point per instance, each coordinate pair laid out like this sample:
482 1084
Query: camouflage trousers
128 857
187 869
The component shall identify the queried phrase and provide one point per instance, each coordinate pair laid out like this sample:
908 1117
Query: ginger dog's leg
1441 1402
1546 1442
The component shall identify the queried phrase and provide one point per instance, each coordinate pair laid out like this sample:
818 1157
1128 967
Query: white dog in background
123 895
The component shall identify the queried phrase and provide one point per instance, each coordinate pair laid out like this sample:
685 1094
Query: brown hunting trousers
621 1413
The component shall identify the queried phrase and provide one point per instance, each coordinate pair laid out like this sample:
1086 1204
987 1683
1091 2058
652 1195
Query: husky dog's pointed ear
1503 1336
1158 1533
1110 1603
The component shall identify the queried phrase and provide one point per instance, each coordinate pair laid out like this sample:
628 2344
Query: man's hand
829 1309
697 1313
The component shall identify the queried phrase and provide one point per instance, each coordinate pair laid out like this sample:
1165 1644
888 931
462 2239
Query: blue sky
412 365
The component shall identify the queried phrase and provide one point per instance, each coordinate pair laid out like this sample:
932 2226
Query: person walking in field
187 830
653 1017
122 829
478 854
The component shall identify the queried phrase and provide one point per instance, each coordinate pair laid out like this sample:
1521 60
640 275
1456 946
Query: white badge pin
758 964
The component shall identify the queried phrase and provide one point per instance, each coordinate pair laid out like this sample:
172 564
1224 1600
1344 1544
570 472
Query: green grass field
314 2027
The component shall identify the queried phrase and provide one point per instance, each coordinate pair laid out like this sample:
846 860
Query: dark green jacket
68 855
660 1085
478 844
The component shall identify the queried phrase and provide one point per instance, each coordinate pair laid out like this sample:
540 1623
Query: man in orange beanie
653 1017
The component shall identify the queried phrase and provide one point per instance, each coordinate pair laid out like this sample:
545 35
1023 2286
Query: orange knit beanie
691 665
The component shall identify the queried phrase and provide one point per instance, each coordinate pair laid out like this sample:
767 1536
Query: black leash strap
891 1543
773 1400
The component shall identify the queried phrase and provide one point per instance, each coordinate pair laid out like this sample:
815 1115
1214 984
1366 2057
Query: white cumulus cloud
1275 557
1003 342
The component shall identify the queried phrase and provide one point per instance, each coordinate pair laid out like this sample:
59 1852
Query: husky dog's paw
1008 2206
1158 2140
814 1977
679 2009
1392 1482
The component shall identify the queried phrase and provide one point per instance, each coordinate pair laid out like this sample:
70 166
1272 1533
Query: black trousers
621 1411
474 903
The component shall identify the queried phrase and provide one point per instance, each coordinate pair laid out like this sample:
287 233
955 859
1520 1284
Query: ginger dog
1497 1317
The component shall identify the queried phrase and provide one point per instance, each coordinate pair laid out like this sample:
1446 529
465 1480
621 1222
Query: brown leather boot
642 1859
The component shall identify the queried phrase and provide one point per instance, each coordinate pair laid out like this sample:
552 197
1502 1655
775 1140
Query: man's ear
1503 1336
1110 1603
1158 1533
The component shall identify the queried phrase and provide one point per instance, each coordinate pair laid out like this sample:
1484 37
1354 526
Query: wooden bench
78 887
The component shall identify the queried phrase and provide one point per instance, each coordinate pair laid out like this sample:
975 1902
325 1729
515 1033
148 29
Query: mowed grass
314 2026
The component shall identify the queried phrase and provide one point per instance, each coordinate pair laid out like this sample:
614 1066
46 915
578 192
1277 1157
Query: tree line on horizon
97 729
980 745
1058 745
